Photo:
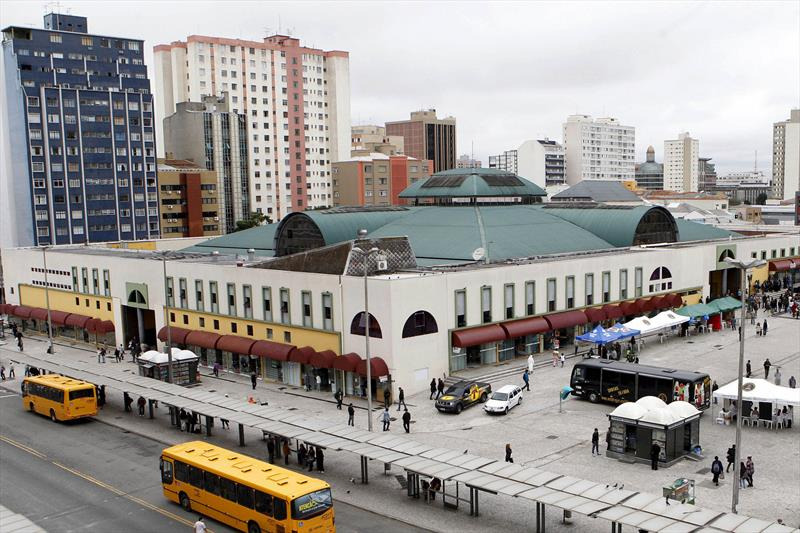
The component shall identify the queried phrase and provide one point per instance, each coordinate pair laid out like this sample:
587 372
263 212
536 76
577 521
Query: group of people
17 334
746 468
11 373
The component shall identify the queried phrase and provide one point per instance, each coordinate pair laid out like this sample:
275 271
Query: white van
504 399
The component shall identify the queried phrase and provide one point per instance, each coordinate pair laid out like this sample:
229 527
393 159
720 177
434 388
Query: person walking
748 369
742 475
311 458
350 414
2 372
509 459
767 364
270 450
216 369
318 381
526 379
253 380
407 421
714 387
758 328
116 355
530 364
301 455
655 453
199 526
764 328
595 442
386 402
286 451
339 396
439 387
11 374
140 403
792 382
127 401
101 396
19 341
778 376
433 388
320 461
386 418
401 398
562 357
749 469
731 457
716 469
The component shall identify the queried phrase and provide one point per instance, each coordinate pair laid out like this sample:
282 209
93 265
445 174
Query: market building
478 272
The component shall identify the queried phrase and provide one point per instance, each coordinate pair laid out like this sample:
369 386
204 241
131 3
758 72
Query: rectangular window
170 292
327 311
285 318
306 302
623 284
606 287
75 286
212 292
85 280
198 295
247 301
106 283
508 290
570 291
486 304
266 296
461 308
182 293
589 289
637 281
551 295
530 297
232 299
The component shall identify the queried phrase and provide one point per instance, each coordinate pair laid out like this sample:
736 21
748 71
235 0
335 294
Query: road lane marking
8 396
99 483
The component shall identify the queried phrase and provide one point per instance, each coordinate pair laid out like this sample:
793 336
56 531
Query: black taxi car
463 394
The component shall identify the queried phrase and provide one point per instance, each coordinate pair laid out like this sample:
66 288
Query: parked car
463 394
504 399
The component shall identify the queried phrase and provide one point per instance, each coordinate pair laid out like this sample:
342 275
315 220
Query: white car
504 399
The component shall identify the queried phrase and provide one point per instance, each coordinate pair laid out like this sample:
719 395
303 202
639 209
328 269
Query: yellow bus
245 493
59 397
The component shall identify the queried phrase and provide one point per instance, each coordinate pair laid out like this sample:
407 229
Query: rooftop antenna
755 164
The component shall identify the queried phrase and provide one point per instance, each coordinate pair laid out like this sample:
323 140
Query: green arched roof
617 224
472 183
342 223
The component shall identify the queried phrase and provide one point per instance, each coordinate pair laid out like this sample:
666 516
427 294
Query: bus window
227 489
591 376
166 472
280 509
311 505
263 503
245 496
211 483
627 387
81 393
653 386
195 477
181 471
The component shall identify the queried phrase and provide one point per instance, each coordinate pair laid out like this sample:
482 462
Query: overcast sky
724 71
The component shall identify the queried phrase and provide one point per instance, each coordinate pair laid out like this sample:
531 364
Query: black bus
620 382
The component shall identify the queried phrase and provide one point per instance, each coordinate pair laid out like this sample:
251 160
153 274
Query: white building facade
786 157
297 103
598 149
681 159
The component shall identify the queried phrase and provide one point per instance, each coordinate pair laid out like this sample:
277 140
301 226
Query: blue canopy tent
622 331
599 336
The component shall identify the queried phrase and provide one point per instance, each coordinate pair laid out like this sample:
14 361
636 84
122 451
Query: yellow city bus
59 397
245 493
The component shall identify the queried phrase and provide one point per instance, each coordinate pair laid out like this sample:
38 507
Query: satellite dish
478 254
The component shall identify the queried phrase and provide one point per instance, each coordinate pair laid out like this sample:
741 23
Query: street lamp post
168 345
50 348
743 266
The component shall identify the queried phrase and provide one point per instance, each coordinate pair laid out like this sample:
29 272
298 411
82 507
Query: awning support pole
241 434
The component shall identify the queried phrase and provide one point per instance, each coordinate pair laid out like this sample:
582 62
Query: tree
255 219
761 199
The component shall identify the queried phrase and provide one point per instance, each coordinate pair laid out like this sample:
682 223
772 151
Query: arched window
136 297
725 254
660 279
358 325
419 323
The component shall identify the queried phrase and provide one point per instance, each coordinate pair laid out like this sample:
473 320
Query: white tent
157 358
667 319
760 390
643 324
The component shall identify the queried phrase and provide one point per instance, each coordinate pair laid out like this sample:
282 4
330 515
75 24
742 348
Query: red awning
58 317
302 355
323 359
595 314
203 339
465 338
630 308
659 302
4 309
76 320
177 335
377 367
38 313
567 319
91 325
675 300
347 362
645 304
22 311
103 327
526 326
235 344
613 311
273 350
783 265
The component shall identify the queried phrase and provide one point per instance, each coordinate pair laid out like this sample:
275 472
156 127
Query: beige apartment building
376 179
365 140
188 199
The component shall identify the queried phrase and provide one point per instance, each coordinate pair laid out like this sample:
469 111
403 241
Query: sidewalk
11 522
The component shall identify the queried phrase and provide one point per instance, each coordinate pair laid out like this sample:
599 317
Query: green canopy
726 303
697 310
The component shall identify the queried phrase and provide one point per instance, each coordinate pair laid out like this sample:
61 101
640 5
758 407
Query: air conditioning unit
169 207
216 219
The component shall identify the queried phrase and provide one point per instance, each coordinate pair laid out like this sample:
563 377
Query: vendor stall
153 364
769 400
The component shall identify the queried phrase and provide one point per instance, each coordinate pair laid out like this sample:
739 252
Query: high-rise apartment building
650 175
297 104
80 162
598 149
540 161
428 137
786 157
681 160
214 137
706 174
506 161
365 140
467 161
375 180
188 198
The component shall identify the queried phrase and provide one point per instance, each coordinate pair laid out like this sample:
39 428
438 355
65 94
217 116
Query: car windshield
312 504
452 390
502 396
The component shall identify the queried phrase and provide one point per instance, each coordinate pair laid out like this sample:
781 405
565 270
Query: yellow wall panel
61 300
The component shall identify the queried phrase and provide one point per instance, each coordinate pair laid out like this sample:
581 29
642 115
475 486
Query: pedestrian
386 401
555 357
141 402
748 368
311 458
764 328
767 364
253 380
339 395
350 413
407 421
655 453
530 364
19 342
778 376
562 358
742 475
216 369
386 418
286 451
301 455
2 373
401 398
595 442
127 401
433 388
103 353
526 379
116 355
714 387
509 459
270 450
758 328
716 469
792 382
199 526
28 371
192 422
121 352
731 457
318 380
101 396
749 469
320 460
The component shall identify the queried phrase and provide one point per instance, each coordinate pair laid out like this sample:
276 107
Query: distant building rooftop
601 191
